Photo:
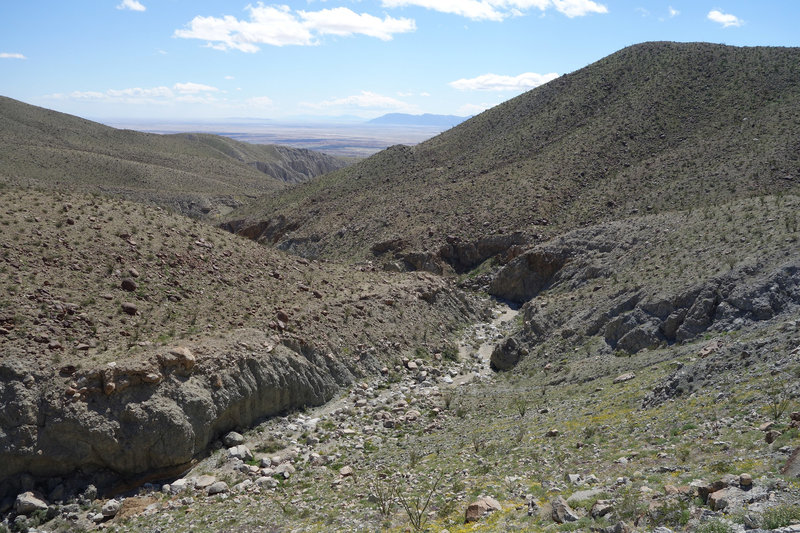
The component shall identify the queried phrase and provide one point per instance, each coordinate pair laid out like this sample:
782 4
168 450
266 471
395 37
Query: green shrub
714 526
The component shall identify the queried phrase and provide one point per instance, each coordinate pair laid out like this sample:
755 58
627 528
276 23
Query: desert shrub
714 526
780 516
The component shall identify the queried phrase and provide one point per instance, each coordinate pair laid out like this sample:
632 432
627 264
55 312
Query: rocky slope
131 337
652 128
194 174
656 280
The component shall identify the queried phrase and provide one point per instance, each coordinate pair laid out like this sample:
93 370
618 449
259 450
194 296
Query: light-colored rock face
155 424
27 503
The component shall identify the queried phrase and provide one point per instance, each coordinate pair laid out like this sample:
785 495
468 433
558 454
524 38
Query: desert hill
652 128
636 222
192 173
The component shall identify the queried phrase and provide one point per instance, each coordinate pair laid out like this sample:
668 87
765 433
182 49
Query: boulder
233 439
218 488
480 507
27 503
240 452
562 512
111 508
583 495
622 378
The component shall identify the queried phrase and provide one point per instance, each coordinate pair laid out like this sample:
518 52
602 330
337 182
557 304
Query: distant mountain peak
426 119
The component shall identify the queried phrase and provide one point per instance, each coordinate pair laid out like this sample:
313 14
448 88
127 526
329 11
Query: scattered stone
719 500
792 466
27 503
627 376
267 481
111 508
772 435
240 452
233 439
129 285
130 308
178 486
583 495
601 508
745 480
766 426
562 512
552 433
285 470
203 482
481 507
219 487
133 272
346 471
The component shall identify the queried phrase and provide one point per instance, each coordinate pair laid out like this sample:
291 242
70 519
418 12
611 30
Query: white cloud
578 8
496 82
277 25
132 5
500 9
7 55
673 12
229 78
180 92
194 88
344 22
726 19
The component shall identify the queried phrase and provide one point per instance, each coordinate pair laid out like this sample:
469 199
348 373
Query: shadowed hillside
197 174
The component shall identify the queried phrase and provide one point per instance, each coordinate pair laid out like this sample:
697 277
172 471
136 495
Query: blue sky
205 59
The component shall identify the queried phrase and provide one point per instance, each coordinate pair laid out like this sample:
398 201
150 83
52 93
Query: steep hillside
196 174
652 128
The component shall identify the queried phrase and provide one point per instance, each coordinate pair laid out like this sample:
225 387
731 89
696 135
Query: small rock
718 500
552 433
233 439
583 495
562 512
627 376
240 452
482 506
267 481
346 471
745 480
129 285
766 426
601 508
218 488
771 436
203 482
130 308
178 486
133 272
111 508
